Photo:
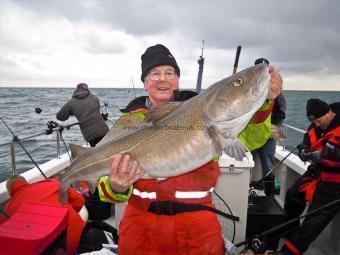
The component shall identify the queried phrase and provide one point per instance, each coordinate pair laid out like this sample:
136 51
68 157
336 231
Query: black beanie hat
157 55
316 108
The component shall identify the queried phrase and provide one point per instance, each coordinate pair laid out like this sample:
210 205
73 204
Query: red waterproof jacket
329 166
190 233
147 233
318 143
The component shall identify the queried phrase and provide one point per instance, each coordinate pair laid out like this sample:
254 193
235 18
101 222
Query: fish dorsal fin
128 120
158 112
77 150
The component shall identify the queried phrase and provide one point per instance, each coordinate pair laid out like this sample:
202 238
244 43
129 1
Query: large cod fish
181 140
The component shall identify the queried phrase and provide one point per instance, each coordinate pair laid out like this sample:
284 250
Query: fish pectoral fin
77 150
235 149
156 113
222 127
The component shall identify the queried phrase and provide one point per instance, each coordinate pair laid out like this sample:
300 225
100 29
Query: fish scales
188 137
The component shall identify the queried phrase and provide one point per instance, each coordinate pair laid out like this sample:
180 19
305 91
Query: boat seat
32 228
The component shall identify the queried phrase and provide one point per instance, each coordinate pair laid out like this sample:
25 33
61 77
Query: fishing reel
257 246
252 192
105 116
105 113
253 186
51 125
37 110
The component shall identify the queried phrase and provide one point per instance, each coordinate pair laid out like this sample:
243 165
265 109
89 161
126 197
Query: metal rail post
13 165
58 144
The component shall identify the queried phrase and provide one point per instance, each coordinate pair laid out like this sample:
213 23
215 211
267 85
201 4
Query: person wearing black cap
155 220
85 107
320 184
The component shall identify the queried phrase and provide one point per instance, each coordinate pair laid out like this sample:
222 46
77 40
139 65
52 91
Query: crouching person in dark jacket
86 108
321 183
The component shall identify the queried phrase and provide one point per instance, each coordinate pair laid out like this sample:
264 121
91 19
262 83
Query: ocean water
17 108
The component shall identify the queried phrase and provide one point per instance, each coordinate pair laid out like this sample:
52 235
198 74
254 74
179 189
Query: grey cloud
299 36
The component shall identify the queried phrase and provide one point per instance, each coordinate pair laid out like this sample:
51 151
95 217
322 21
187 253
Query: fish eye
238 82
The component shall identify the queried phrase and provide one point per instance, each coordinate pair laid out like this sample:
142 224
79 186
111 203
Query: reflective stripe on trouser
178 194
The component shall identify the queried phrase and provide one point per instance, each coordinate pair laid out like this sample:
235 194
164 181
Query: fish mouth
233 125
262 83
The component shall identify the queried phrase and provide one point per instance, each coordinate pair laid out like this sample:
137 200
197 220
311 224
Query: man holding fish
156 219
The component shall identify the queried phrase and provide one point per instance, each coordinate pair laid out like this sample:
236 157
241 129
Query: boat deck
236 175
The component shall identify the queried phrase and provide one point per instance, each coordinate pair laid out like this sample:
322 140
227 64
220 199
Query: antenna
202 49
200 62
133 86
238 51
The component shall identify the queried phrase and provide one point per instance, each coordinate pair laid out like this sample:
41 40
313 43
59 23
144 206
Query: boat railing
288 161
286 128
55 129
58 129
294 128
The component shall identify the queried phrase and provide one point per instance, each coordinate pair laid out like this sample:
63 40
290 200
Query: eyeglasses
168 75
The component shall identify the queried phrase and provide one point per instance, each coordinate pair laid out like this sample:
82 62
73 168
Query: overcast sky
60 43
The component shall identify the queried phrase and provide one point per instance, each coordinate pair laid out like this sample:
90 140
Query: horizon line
106 87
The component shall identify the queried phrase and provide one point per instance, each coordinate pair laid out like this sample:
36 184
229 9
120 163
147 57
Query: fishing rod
52 125
17 139
257 183
39 111
60 130
238 52
285 224
259 244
